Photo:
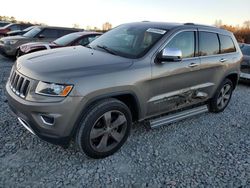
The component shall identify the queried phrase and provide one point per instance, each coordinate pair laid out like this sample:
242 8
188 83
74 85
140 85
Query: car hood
35 45
65 63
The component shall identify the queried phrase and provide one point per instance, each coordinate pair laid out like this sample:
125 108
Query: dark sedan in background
73 39
245 65
12 27
20 32
3 23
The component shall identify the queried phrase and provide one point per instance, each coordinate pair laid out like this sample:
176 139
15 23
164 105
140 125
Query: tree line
12 19
242 33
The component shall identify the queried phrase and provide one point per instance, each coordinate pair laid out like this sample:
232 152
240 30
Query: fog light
48 120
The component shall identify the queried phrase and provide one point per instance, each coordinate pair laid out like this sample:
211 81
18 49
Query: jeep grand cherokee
135 72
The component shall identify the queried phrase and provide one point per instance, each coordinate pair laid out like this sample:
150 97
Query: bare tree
218 23
247 24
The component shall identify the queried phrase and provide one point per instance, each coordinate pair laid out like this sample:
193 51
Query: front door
176 84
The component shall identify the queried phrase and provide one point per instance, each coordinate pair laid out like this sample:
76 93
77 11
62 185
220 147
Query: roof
169 26
64 28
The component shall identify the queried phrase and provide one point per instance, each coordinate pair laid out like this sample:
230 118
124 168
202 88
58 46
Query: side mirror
169 54
41 36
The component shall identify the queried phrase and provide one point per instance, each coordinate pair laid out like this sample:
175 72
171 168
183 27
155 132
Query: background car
73 39
3 23
10 45
12 27
245 65
20 32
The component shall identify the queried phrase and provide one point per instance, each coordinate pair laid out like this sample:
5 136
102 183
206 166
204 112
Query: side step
177 116
245 76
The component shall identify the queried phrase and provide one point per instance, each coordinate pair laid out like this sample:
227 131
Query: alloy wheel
108 131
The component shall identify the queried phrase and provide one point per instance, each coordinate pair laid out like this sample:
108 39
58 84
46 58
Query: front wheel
222 97
104 128
18 53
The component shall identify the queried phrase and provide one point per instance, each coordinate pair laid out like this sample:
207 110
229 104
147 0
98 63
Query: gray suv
10 45
146 71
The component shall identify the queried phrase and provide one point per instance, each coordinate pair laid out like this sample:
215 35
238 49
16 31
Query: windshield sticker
158 31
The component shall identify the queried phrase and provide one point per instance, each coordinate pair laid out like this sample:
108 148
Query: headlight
52 89
10 42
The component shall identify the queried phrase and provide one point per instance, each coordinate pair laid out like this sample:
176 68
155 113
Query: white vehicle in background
245 65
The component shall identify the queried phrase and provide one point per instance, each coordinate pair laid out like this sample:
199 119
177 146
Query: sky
96 12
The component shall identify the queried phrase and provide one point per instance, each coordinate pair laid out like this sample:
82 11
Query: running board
244 76
177 116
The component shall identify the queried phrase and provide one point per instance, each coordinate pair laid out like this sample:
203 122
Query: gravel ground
211 150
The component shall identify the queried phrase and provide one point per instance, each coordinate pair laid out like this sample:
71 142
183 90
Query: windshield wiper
88 46
107 49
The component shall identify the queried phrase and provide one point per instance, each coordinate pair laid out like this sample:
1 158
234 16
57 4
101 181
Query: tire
104 129
18 54
222 97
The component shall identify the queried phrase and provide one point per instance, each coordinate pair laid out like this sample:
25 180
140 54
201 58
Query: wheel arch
234 77
127 97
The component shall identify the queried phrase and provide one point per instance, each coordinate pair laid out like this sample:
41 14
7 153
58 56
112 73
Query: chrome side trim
23 123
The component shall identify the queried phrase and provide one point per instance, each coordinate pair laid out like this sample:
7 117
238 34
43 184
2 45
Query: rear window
227 45
208 44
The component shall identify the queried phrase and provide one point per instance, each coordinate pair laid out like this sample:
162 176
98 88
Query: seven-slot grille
19 84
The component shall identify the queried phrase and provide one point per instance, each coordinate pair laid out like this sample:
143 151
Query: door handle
223 60
193 65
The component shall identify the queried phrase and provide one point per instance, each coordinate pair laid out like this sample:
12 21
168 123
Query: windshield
67 39
245 50
33 32
28 28
128 40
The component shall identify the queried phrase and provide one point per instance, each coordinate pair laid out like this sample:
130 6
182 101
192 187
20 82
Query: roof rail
189 24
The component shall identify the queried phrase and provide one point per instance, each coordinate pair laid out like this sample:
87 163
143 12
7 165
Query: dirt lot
211 150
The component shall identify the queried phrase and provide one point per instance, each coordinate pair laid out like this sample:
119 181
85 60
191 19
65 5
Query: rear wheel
104 129
222 97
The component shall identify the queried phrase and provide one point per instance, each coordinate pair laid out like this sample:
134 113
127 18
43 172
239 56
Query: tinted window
65 32
208 44
22 27
33 32
227 45
67 39
245 50
129 40
185 42
49 33
14 27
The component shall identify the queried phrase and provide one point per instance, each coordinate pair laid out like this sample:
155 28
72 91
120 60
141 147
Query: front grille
19 84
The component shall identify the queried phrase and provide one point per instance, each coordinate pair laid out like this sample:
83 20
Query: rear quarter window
227 44
208 43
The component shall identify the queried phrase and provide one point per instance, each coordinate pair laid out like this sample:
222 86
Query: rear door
174 84
216 54
48 35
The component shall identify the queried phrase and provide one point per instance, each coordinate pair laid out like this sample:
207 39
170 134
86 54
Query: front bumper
64 113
